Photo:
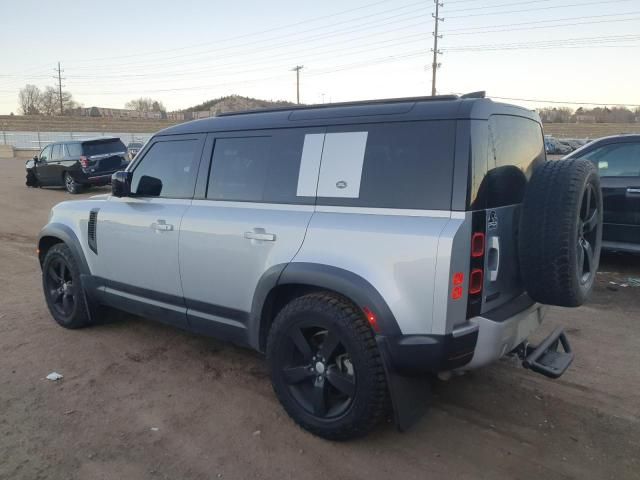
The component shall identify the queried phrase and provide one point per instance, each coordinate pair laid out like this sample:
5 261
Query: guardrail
37 140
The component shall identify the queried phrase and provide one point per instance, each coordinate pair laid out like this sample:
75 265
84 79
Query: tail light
84 161
475 281
477 245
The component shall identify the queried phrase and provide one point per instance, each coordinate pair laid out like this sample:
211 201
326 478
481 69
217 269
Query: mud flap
410 395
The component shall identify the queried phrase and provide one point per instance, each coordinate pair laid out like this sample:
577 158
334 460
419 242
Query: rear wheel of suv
62 288
561 232
71 185
325 367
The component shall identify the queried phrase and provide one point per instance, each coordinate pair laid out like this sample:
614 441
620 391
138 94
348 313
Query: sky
184 53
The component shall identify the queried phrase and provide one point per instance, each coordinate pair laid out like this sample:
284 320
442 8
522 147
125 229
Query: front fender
64 233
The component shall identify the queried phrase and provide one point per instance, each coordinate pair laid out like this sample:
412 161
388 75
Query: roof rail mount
478 94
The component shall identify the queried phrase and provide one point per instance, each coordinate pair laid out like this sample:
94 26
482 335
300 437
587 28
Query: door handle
260 234
493 260
633 190
161 226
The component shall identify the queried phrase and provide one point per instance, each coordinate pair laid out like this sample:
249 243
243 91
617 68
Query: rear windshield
515 148
100 147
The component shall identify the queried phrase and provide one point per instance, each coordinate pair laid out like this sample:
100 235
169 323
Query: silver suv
361 246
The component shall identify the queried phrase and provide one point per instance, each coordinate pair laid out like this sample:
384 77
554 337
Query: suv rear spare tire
561 232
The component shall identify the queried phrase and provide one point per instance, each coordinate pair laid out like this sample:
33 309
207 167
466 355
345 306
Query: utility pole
297 69
59 70
435 65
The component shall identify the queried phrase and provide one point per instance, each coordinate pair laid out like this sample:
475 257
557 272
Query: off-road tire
71 185
370 403
551 232
78 315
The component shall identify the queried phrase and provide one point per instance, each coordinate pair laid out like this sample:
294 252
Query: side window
260 168
516 146
167 170
57 152
45 154
74 150
393 165
617 160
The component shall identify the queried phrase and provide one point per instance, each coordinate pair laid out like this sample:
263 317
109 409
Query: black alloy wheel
587 235
59 287
319 371
63 288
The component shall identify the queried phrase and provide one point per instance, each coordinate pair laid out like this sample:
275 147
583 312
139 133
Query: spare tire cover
560 234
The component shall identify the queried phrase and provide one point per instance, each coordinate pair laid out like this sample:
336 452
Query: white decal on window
310 165
341 167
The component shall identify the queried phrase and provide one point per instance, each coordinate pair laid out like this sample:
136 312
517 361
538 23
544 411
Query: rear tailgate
104 155
515 147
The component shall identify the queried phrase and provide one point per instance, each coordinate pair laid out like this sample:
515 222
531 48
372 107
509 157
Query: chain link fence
37 140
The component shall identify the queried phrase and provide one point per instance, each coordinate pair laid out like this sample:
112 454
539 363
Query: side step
546 359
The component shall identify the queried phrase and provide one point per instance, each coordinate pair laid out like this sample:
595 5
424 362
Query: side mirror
35 158
121 184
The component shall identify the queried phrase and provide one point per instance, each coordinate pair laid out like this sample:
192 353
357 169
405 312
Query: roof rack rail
343 104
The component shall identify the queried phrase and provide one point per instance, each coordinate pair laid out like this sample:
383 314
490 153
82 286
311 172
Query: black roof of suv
446 107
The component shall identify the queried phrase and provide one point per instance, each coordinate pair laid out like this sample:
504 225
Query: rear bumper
499 336
419 354
481 341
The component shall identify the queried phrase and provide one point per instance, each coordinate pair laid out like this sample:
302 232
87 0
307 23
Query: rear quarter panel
394 250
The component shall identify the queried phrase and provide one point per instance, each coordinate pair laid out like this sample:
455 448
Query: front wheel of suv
63 289
325 367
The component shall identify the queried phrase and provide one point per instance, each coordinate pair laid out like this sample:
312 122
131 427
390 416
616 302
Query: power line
253 34
565 102
59 70
584 4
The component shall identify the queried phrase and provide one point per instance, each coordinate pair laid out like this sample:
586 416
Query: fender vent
91 230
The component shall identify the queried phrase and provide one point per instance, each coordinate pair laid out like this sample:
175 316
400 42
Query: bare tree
49 101
29 99
143 104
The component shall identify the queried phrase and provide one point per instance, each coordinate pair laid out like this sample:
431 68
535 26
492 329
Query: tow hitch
546 358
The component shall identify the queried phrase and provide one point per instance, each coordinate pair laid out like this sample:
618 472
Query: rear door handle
494 258
260 234
161 226
633 190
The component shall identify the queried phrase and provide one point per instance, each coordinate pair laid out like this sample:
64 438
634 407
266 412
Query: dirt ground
141 400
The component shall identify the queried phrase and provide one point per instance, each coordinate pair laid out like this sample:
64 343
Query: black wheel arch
284 282
55 233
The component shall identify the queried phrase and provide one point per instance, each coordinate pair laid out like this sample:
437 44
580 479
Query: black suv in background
132 149
618 161
77 164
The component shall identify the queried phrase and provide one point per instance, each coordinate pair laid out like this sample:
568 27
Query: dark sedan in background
77 164
618 161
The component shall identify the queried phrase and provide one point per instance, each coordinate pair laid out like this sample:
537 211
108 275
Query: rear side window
167 170
616 160
101 147
74 149
516 147
388 165
260 167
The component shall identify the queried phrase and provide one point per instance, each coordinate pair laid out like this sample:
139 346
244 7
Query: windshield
100 147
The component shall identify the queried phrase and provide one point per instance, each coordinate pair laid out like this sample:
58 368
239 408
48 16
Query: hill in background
236 103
